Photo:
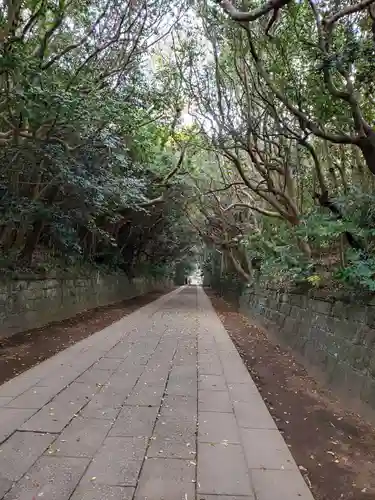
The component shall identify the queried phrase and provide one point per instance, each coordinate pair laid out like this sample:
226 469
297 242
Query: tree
325 52
88 142
266 109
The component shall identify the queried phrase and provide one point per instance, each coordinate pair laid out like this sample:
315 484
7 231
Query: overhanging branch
240 16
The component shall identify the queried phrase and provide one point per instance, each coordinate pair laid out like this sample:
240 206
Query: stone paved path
158 406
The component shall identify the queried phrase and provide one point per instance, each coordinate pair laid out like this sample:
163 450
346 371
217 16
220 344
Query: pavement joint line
238 427
114 420
197 374
156 419
169 337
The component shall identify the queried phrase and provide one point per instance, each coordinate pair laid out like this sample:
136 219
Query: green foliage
277 252
281 261
290 117
224 281
102 165
182 270
86 139
360 273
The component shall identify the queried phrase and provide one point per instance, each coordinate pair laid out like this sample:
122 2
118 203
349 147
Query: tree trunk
326 202
32 239
367 146
305 248
21 232
7 236
303 244
244 275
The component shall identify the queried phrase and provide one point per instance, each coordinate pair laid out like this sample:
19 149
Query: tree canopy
132 133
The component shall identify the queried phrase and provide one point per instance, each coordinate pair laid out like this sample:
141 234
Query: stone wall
32 303
335 335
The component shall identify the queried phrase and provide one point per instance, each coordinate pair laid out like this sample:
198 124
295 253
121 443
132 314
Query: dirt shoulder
334 448
23 350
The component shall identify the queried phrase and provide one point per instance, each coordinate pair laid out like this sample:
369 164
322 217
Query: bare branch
254 14
224 188
262 211
73 46
238 266
306 121
175 169
155 201
346 11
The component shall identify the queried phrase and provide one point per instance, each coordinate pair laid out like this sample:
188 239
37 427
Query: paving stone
143 359
182 388
18 385
175 432
120 384
57 382
171 427
20 451
165 350
5 401
161 359
230 357
110 397
175 446
183 373
207 353
224 497
243 392
81 438
225 345
214 401
11 419
5 486
120 350
51 478
181 408
217 427
141 348
210 368
94 376
183 380
60 411
36 397
280 485
154 376
222 470
253 415
52 418
212 383
108 364
266 449
206 347
102 492
76 393
236 375
167 346
118 462
166 479
185 358
128 371
235 371
148 395
135 421
103 406
155 364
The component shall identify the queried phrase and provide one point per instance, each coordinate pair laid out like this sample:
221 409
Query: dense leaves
132 133
285 103
89 156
